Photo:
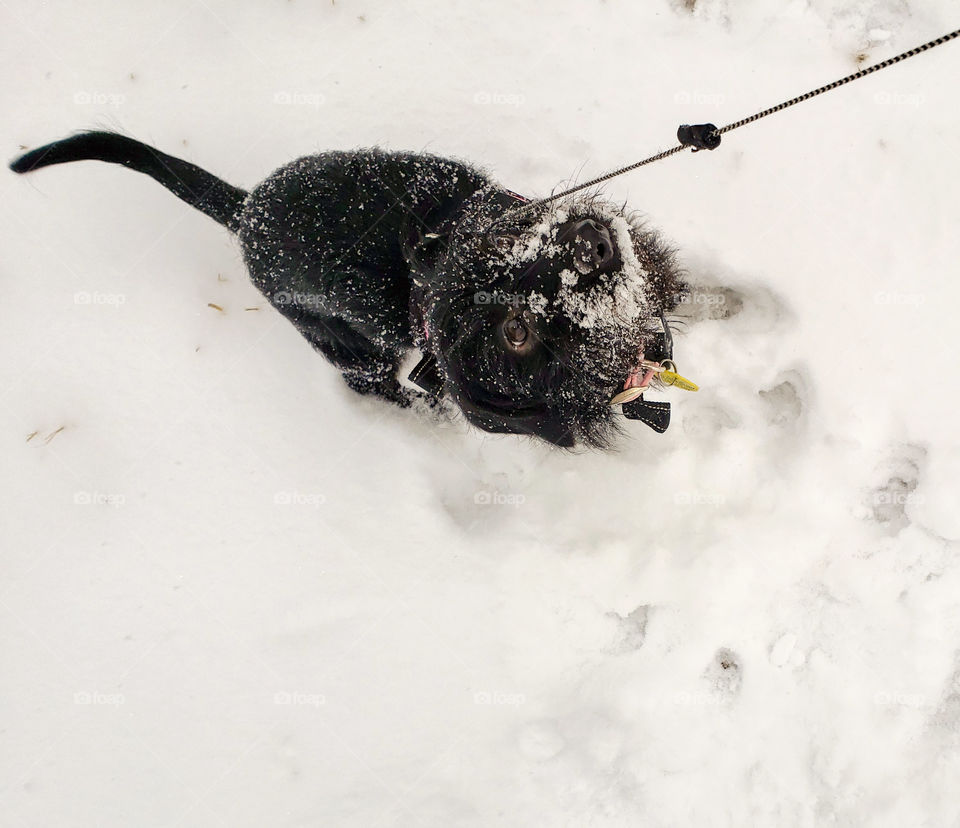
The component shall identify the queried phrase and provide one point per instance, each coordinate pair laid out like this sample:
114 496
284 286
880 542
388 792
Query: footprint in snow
888 502
751 308
783 401
724 673
631 630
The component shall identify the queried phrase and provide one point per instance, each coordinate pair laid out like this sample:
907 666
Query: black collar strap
426 376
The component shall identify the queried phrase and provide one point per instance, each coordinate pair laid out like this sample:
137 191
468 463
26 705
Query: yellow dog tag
674 379
669 376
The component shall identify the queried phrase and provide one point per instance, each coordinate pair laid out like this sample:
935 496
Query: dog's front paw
380 381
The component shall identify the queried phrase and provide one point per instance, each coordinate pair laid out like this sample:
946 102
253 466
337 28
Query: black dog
531 317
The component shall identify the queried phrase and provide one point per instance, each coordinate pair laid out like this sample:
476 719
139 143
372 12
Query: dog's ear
423 249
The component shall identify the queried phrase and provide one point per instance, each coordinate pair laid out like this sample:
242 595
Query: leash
707 136
426 375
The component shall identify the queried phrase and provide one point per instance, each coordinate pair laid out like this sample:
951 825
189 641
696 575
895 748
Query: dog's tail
197 187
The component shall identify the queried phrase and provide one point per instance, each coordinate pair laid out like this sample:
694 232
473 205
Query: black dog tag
654 414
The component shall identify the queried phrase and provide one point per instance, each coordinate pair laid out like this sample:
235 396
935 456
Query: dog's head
537 317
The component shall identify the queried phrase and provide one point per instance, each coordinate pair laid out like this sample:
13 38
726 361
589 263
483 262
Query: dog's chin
535 420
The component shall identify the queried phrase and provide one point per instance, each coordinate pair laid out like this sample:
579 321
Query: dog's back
331 234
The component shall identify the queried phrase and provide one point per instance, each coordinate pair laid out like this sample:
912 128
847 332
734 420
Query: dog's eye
504 242
515 331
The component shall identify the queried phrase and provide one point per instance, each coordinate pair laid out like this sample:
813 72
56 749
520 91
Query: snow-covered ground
234 593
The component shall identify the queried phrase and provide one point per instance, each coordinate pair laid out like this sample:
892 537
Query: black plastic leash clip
699 136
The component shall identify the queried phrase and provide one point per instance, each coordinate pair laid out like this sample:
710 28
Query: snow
619 302
233 593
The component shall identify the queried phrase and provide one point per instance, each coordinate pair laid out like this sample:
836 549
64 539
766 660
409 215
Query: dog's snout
593 247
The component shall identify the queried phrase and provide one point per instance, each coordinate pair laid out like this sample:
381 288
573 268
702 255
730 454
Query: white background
234 593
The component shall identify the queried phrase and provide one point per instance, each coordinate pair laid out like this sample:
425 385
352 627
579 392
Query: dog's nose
592 246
